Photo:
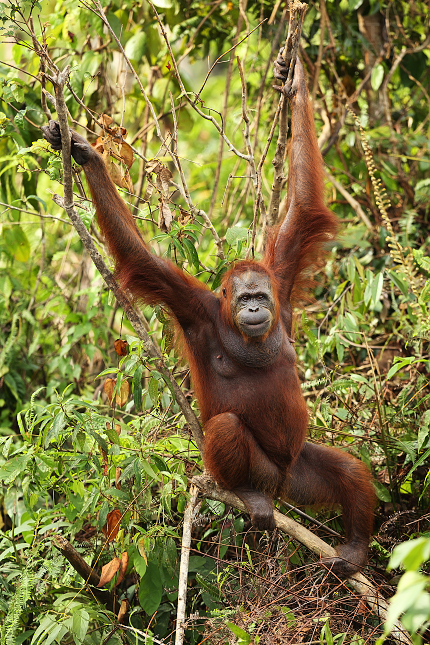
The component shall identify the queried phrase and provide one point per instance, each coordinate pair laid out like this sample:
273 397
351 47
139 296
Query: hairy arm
153 279
308 225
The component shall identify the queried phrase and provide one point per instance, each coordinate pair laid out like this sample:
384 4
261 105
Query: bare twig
189 514
197 96
186 192
350 199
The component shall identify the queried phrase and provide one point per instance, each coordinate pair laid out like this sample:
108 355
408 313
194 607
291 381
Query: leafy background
76 455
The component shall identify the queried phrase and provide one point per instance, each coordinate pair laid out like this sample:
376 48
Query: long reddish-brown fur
255 417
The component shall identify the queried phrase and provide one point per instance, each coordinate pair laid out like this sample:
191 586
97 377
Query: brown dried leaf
165 177
122 396
184 216
123 568
117 429
149 190
111 528
165 216
106 120
98 145
121 347
108 571
109 387
127 183
127 154
122 611
154 166
115 173
117 476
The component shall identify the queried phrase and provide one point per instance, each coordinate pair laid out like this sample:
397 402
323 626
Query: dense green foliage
68 457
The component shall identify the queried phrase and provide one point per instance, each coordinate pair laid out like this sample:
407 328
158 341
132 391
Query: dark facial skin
252 303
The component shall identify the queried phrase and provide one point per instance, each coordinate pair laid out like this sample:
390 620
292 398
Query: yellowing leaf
16 242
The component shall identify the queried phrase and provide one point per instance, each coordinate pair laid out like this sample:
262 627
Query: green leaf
399 282
217 279
56 427
382 493
101 442
149 471
425 293
376 288
13 468
243 636
410 588
235 234
111 433
151 589
80 624
171 555
153 390
411 554
377 77
139 564
398 365
191 250
135 47
16 242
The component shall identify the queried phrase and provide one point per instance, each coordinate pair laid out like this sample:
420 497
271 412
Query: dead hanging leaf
149 190
162 173
117 429
163 180
121 347
122 396
113 146
105 463
108 571
184 217
106 120
127 154
165 216
153 165
117 476
111 528
123 568
118 178
109 387
122 611
141 549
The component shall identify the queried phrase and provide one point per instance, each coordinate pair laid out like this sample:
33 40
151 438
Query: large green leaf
17 243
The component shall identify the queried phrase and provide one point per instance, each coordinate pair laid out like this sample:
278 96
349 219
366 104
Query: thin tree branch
189 515
350 199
